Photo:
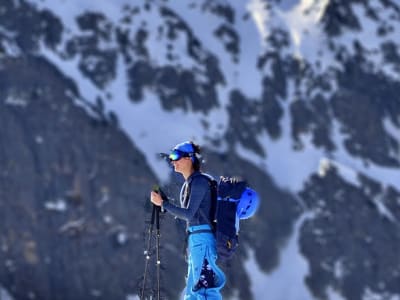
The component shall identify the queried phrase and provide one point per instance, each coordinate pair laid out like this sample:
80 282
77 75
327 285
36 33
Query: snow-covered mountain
298 96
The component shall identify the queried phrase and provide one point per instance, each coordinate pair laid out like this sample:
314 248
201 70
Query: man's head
185 155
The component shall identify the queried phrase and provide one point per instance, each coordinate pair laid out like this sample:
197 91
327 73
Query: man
204 279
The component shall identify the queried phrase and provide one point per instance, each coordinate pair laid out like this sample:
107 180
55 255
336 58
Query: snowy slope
306 36
142 120
144 128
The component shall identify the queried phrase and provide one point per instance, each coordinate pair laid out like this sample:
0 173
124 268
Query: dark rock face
73 191
365 124
29 26
349 242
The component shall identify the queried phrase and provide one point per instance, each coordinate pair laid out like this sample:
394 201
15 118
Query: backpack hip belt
199 229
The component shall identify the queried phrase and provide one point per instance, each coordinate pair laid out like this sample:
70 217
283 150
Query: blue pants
202 247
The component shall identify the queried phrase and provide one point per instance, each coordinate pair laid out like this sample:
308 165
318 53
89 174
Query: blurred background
300 97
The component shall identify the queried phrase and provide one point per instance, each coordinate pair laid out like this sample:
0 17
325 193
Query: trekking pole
158 262
155 217
157 189
148 250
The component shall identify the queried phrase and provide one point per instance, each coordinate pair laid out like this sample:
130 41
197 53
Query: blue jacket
195 199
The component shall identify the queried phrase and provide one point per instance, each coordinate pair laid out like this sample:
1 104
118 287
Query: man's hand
156 199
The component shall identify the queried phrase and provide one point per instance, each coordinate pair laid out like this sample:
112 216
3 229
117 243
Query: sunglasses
177 155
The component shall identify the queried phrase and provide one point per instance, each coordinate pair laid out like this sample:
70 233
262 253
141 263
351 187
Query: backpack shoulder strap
214 196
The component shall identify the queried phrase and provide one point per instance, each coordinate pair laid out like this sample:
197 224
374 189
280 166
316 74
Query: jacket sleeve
198 189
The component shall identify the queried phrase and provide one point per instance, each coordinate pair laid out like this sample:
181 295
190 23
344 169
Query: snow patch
15 101
394 131
243 73
290 167
4 294
302 21
287 281
349 174
383 210
370 38
333 294
350 165
371 295
260 16
58 205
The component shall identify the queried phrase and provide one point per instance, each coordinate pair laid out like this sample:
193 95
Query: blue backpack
232 200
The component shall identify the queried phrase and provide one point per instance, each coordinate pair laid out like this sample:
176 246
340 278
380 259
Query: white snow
287 281
386 176
371 295
58 205
4 295
302 20
9 46
368 36
394 132
383 210
260 16
15 101
289 166
333 294
349 174
242 74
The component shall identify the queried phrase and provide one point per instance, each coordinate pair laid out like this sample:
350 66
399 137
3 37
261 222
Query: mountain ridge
101 89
